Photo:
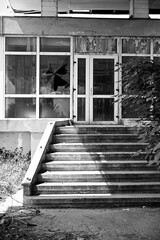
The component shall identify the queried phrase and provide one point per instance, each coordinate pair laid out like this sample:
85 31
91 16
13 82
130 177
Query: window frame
150 55
38 54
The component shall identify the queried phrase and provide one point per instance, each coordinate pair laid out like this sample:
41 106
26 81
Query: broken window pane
20 108
136 45
55 45
55 108
54 75
21 44
20 74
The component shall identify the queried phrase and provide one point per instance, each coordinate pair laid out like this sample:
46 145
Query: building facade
55 68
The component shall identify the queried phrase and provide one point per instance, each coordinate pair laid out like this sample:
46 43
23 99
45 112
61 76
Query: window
133 48
32 95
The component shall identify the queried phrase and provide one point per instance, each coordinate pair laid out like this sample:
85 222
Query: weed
13 165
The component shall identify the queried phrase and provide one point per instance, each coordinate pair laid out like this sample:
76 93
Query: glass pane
136 45
55 45
103 109
55 108
81 109
21 44
129 112
20 108
20 74
54 75
131 59
103 76
156 46
81 76
157 59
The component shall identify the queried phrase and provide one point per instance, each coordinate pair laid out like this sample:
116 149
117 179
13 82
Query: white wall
13 140
21 133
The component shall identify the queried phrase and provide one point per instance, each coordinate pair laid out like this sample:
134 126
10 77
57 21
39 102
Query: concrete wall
21 133
13 140
70 27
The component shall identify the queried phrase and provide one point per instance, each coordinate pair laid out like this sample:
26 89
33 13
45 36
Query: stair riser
93 203
100 167
95 130
92 156
97 190
95 148
98 178
98 139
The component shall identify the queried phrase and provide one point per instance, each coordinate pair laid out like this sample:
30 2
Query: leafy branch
141 91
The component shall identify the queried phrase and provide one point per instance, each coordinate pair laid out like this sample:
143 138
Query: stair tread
106 195
103 143
98 172
94 162
90 152
95 134
98 126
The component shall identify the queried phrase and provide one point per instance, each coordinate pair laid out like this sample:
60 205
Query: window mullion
2 76
37 77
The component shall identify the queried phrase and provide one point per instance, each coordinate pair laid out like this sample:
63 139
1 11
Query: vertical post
139 9
1 69
49 8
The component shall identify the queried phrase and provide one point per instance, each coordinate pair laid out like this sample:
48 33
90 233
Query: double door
95 89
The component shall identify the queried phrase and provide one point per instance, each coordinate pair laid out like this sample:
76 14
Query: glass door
95 88
103 89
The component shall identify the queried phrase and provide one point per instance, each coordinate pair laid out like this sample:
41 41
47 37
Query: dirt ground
81 224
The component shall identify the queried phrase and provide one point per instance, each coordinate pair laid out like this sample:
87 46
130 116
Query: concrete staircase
94 166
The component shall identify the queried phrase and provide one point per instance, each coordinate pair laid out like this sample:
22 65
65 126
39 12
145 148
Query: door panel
103 109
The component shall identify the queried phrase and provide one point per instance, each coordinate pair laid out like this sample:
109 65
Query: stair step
75 138
94 129
95 165
97 176
78 156
93 200
74 147
87 129
92 187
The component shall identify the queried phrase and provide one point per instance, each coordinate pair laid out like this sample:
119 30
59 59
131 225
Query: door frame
89 90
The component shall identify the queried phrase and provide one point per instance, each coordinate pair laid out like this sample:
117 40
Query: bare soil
81 224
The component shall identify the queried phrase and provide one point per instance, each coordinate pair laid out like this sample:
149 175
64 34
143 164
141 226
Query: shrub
13 165
141 90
